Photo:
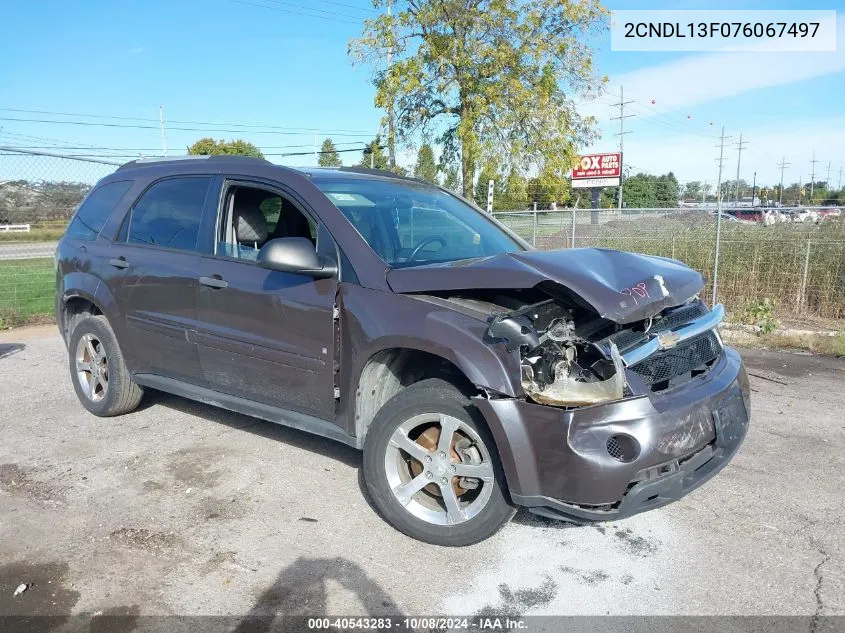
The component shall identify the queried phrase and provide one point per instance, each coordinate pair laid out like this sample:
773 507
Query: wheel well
76 309
391 370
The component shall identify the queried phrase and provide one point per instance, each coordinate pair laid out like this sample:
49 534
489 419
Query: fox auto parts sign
597 170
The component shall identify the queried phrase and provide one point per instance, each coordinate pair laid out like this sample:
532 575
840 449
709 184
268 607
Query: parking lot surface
183 508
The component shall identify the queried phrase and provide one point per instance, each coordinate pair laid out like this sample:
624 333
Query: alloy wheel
92 367
439 469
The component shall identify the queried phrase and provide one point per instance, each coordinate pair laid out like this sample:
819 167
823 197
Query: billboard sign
597 170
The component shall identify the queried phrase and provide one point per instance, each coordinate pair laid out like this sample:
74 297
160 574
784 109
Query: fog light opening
623 448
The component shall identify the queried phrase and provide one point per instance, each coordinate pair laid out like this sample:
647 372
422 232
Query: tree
666 191
488 173
490 77
208 145
692 190
516 191
426 168
328 155
451 177
374 155
639 191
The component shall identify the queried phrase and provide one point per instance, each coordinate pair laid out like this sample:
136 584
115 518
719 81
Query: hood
622 287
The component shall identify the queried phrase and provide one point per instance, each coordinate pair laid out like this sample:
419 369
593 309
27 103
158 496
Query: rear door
265 335
155 281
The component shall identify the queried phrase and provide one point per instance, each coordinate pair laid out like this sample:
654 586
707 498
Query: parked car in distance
476 373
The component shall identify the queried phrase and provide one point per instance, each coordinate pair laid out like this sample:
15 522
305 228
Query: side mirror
295 255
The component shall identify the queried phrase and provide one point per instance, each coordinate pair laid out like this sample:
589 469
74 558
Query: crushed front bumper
564 464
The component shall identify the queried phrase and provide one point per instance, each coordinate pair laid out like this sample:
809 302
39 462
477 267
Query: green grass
44 232
27 290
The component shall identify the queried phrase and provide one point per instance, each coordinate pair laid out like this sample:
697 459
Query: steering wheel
430 239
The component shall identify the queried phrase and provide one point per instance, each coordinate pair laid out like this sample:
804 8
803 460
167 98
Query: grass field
27 290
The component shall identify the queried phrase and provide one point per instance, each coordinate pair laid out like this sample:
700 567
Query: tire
397 466
99 375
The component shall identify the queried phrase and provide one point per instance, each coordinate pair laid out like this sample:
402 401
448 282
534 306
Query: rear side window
168 214
96 209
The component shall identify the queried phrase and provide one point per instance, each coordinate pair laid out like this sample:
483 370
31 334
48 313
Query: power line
813 175
182 122
298 7
295 12
156 127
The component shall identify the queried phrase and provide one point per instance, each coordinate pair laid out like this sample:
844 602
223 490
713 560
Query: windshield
409 224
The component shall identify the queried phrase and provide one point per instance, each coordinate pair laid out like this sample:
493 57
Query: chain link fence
38 194
797 259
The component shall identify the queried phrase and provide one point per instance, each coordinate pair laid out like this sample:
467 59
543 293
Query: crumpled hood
622 287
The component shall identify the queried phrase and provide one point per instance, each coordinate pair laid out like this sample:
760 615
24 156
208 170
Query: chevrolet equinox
476 373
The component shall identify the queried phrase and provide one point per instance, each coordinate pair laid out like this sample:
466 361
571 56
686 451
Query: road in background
26 250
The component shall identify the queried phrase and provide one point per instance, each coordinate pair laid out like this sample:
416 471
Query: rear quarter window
96 209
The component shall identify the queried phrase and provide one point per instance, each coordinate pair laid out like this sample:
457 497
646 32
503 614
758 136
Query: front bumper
558 462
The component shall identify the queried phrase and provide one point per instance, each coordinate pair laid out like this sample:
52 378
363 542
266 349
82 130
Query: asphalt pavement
183 508
27 250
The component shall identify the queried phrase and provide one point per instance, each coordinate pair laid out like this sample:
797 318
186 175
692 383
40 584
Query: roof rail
143 162
375 172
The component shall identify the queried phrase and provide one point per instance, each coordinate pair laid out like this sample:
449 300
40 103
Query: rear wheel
100 378
431 467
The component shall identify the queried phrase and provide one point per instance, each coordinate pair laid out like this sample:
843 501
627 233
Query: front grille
679 316
626 339
687 356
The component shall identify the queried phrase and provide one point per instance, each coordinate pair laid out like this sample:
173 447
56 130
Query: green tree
692 190
426 168
547 188
374 155
639 191
666 191
494 78
451 177
488 173
328 155
208 145
515 195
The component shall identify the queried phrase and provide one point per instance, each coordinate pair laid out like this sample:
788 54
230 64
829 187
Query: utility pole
722 140
753 190
622 116
783 165
740 146
839 187
704 192
812 176
163 133
316 155
391 125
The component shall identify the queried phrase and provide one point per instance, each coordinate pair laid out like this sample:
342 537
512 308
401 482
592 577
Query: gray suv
476 373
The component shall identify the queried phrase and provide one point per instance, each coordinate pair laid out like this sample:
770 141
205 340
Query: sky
281 67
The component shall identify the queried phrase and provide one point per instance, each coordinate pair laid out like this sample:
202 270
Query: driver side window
251 217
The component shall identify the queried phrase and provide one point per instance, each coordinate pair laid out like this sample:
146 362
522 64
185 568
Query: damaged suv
476 373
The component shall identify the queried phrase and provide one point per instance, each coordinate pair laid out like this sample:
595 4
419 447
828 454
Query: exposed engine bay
572 357
560 365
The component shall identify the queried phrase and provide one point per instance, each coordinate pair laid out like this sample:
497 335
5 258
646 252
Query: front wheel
432 469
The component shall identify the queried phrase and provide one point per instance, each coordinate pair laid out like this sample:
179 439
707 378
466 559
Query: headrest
250 224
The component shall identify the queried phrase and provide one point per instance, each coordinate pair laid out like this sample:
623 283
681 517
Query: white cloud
693 157
137 50
688 81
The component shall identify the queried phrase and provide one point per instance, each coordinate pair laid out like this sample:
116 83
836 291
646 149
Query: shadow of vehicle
256 426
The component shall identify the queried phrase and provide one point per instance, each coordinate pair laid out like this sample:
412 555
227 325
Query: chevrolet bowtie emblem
668 340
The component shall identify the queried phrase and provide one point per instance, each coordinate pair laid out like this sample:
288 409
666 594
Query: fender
89 287
373 321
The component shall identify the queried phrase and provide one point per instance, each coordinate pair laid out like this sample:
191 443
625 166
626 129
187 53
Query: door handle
214 282
120 262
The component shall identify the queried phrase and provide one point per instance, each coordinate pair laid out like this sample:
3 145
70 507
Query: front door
264 335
